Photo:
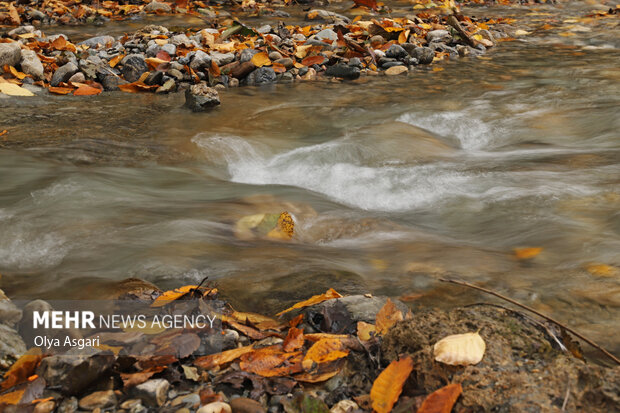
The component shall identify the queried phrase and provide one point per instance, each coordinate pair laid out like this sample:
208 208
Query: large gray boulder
31 64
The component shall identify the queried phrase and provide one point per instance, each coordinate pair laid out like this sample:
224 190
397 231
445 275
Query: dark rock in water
201 97
387 65
409 47
342 314
155 78
97 42
425 55
110 81
63 73
133 67
76 370
343 71
261 76
397 52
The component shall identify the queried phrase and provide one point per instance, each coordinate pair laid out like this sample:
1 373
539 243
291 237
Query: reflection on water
392 183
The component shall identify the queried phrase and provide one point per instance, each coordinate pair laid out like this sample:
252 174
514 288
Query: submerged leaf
387 317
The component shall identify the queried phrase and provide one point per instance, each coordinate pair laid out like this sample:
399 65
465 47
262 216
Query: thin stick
566 396
510 300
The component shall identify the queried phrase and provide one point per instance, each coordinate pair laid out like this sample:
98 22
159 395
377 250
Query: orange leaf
214 360
294 322
116 59
251 332
180 292
371 4
271 362
387 387
257 320
442 400
60 90
14 15
365 331
261 59
86 90
313 60
278 68
17 73
324 351
315 299
527 253
22 369
13 397
294 339
387 317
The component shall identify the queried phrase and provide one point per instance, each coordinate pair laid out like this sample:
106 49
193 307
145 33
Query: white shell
460 349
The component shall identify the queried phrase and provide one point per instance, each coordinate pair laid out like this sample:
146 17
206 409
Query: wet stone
133 67
438 36
97 42
63 73
201 97
99 399
343 71
155 6
261 76
287 62
425 55
397 52
200 60
31 64
246 55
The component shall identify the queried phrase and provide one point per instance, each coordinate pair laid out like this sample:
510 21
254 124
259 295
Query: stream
393 182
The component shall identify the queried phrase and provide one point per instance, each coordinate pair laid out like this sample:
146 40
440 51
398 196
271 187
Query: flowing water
393 182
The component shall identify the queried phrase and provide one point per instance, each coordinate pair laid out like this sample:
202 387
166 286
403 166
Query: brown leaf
246 330
13 397
163 55
214 360
371 4
261 59
387 387
23 368
294 339
442 400
315 299
387 317
324 351
313 60
14 15
133 379
257 320
60 90
271 362
182 292
86 90
295 321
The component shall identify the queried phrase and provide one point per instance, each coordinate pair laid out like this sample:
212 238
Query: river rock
344 71
201 97
261 76
11 346
133 67
156 6
68 405
170 49
246 55
222 59
9 313
396 52
152 392
10 54
168 86
425 55
438 36
76 370
44 407
275 55
396 70
245 405
97 42
98 399
215 407
342 314
326 34
329 16
63 73
287 62
31 64
21 30
191 400
200 61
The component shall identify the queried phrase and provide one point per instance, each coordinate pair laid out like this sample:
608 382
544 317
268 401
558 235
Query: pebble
344 406
201 60
275 55
168 86
100 399
261 76
187 400
377 40
68 405
77 78
327 34
45 407
329 16
287 62
63 73
343 71
397 52
133 67
153 392
425 55
396 70
215 407
222 59
245 405
98 42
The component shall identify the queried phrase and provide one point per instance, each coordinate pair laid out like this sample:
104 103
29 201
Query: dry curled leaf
215 360
388 385
460 349
387 317
442 400
315 299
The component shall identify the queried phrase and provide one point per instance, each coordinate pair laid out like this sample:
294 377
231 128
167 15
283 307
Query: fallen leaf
278 67
315 299
257 320
214 360
261 59
365 331
271 362
527 253
294 339
442 400
14 90
460 349
116 60
175 294
19 75
603 270
23 368
387 317
324 351
191 373
86 90
284 229
13 397
57 90
133 379
389 384
313 60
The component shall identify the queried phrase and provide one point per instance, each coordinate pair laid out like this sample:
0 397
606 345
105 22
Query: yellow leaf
315 299
387 387
324 351
261 59
284 228
527 253
14 90
365 331
460 349
302 51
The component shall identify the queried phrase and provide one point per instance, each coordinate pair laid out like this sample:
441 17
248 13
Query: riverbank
328 353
